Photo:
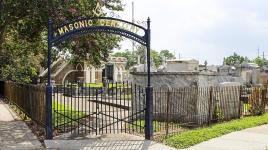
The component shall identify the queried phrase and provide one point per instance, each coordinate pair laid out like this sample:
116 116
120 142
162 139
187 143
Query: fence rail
176 110
121 107
95 109
30 99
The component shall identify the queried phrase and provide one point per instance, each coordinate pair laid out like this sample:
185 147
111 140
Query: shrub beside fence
30 99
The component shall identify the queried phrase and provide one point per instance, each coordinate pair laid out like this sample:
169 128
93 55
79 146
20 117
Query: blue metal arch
104 29
144 40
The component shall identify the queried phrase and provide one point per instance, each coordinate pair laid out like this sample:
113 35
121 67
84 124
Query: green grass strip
68 111
99 85
141 124
192 137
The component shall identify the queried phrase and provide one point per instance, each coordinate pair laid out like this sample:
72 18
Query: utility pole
133 21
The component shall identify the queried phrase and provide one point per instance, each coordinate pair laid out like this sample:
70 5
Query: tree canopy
234 59
260 61
23 34
157 57
237 59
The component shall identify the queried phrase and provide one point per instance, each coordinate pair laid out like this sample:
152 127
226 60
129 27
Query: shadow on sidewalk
99 145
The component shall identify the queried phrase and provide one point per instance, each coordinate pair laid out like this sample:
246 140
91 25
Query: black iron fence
30 99
2 83
120 107
176 110
94 109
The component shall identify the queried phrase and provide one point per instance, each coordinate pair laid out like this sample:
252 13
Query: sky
204 29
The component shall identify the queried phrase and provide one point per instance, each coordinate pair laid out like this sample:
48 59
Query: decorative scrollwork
112 25
110 30
142 23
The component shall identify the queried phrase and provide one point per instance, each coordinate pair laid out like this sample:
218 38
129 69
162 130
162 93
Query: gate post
149 89
49 130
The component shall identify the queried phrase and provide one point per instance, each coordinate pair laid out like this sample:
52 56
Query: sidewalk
121 141
14 133
249 139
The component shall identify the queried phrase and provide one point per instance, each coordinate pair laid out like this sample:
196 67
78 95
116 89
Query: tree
157 58
23 32
166 55
21 59
260 61
234 59
131 59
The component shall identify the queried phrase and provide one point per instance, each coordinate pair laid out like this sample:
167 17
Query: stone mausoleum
185 73
63 71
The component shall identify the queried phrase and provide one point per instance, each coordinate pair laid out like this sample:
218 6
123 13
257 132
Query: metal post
263 98
240 102
210 105
167 111
49 130
149 89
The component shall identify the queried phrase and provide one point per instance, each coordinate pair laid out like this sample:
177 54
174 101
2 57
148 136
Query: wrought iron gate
108 25
93 109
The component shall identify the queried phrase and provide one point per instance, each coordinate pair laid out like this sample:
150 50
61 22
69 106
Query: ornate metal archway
110 25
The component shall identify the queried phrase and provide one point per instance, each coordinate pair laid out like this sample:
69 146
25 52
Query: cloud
207 29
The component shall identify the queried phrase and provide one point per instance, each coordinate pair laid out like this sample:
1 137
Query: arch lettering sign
101 24
90 25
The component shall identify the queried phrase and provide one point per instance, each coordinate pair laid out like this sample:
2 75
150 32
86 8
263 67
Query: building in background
63 71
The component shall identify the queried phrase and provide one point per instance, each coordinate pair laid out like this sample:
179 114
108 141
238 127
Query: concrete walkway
105 142
249 139
14 133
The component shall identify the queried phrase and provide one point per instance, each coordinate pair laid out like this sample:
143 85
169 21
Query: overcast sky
205 29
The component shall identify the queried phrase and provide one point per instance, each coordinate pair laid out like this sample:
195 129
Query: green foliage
131 60
260 61
23 35
157 57
237 59
234 59
192 137
166 55
20 60
141 124
157 60
218 114
67 110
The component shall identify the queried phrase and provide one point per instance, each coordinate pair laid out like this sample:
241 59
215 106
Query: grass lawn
99 85
68 111
157 125
192 137
141 124
125 97
119 85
